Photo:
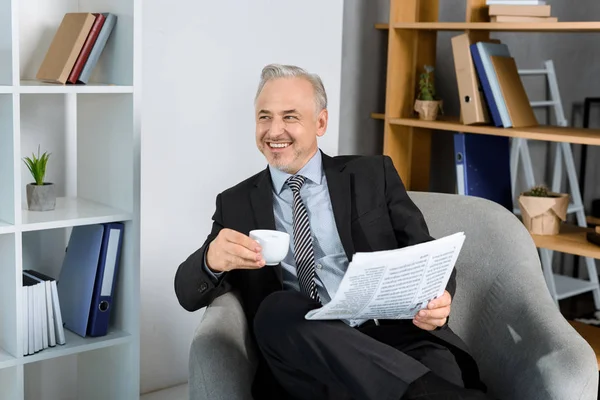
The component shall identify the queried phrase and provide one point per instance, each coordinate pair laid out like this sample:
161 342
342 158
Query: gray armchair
502 310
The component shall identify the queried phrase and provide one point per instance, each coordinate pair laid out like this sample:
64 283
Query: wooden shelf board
382 26
542 132
593 220
76 344
378 115
591 335
32 86
6 360
570 240
69 212
503 26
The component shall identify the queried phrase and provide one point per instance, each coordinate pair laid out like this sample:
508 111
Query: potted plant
427 104
543 210
41 195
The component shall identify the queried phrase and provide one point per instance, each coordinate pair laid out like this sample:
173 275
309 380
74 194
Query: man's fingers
243 240
243 263
442 301
243 252
424 326
435 314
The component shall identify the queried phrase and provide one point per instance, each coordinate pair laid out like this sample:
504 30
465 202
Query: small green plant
427 85
37 166
539 191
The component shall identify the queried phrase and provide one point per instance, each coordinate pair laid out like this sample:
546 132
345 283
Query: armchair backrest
497 250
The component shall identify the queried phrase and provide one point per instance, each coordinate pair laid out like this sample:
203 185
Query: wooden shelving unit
93 134
407 139
546 133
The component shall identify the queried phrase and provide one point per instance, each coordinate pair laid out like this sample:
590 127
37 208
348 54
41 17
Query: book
517 10
515 97
517 2
99 45
87 48
65 47
511 18
473 108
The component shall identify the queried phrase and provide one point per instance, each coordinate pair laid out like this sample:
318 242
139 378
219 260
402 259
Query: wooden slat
476 11
570 240
542 132
382 27
502 26
590 220
408 51
591 335
400 61
378 116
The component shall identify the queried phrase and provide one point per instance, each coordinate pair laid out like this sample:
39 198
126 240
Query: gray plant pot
41 197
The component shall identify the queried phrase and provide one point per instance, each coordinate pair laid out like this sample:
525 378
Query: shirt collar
312 170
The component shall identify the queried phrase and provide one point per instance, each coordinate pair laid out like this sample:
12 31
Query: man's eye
290 117
263 117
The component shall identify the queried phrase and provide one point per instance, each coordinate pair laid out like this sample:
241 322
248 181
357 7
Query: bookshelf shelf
570 240
378 116
593 220
72 212
573 26
76 344
31 86
6 89
546 133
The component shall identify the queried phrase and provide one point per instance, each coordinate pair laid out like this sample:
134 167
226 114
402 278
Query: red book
87 48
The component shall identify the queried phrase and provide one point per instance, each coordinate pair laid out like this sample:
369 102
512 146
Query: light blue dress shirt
330 258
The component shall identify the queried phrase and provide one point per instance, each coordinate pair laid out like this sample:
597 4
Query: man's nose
277 127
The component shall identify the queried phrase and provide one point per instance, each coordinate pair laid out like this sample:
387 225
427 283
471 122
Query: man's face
287 123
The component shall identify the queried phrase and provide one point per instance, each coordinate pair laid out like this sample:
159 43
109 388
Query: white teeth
279 145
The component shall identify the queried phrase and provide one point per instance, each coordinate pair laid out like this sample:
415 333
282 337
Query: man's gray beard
285 168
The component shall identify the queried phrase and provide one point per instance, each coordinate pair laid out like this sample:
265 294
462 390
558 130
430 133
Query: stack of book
76 47
489 85
519 11
42 317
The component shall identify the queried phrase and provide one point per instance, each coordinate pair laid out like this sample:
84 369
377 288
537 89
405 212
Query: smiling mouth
278 145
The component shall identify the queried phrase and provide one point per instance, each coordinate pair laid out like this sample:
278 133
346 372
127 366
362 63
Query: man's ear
322 122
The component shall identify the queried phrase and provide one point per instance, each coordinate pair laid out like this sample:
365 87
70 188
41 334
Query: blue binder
88 276
108 267
78 275
483 167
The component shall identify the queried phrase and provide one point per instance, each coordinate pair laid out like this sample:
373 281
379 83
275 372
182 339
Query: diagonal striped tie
303 249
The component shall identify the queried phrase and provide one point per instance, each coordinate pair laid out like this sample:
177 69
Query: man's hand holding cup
234 250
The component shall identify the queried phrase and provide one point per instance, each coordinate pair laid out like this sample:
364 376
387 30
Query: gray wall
575 57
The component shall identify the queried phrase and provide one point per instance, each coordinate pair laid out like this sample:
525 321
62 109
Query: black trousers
331 360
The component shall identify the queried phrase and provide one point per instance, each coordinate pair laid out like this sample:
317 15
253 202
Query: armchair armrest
537 354
222 356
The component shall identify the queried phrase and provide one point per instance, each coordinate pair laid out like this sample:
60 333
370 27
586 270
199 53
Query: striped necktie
303 248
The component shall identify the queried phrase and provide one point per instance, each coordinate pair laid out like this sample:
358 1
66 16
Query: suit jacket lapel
262 201
338 183
261 198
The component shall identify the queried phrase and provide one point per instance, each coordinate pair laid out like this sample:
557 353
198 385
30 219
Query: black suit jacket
372 212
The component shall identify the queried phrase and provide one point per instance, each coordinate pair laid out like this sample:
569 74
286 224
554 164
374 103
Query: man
332 208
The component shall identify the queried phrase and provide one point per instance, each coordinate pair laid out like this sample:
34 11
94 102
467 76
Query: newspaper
393 284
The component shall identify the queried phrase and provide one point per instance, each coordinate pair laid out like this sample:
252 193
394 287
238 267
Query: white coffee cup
275 244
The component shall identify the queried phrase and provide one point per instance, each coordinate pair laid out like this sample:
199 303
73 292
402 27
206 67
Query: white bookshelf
93 133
